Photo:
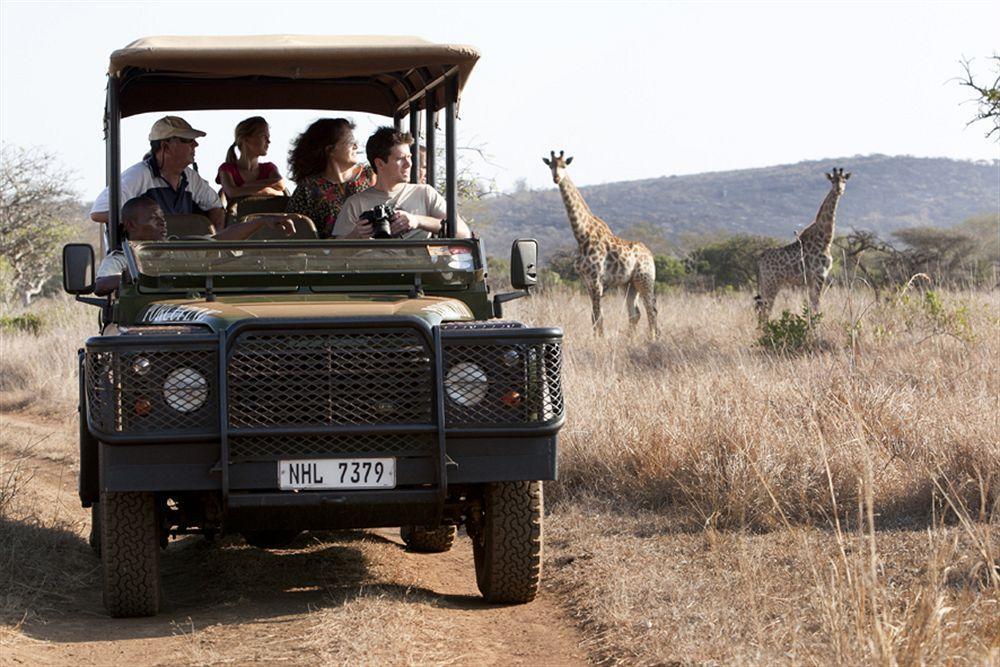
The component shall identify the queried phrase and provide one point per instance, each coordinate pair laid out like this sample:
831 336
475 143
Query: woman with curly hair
324 165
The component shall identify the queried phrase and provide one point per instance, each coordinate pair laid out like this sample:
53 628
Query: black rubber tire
421 540
95 529
507 547
270 539
130 553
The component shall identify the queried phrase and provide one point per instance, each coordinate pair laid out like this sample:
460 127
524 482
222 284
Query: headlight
466 383
185 389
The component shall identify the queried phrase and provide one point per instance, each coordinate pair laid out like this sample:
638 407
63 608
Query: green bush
27 323
669 270
790 333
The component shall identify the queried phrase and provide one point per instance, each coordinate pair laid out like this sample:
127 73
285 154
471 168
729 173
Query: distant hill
884 194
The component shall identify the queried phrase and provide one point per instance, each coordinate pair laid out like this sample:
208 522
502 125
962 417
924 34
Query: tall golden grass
721 502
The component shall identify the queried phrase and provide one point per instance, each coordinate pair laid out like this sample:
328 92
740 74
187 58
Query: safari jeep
268 387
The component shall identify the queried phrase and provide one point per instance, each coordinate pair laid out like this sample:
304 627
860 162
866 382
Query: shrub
790 333
27 323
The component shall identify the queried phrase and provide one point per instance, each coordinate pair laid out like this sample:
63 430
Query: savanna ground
717 503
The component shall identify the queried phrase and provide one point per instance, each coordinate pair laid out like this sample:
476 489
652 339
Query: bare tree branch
987 97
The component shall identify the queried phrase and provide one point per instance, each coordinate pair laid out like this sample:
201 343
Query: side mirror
78 268
524 263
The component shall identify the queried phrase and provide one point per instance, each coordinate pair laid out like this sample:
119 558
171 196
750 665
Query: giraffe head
557 165
839 179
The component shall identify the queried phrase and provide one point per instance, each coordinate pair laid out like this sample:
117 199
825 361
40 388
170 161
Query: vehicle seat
304 227
244 206
189 224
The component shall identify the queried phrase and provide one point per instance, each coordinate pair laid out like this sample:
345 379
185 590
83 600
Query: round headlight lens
466 384
185 389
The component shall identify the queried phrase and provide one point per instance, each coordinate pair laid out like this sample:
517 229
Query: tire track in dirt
349 596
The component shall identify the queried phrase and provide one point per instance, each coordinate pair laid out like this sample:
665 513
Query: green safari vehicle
269 387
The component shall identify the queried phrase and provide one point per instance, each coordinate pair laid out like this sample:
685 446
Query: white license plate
337 474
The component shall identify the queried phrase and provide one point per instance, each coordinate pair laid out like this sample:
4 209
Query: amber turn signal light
143 407
511 399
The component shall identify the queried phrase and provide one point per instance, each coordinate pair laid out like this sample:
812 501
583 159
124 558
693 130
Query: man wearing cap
166 176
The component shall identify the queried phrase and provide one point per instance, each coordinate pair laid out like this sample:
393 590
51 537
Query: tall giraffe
804 262
604 259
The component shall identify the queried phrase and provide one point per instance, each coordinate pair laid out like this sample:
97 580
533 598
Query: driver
144 221
420 209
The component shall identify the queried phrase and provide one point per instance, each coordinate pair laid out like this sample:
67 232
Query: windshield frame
320 280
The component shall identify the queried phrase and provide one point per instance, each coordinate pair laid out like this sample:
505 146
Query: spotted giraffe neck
586 226
822 228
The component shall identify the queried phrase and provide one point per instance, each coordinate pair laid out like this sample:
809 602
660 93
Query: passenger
245 176
165 175
324 164
420 209
144 221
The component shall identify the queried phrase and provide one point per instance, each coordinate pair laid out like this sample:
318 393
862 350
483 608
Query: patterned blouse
321 199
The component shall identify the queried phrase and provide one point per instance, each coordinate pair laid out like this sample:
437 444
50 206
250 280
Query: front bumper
323 388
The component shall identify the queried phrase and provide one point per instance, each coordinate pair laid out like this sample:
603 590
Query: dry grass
718 503
38 371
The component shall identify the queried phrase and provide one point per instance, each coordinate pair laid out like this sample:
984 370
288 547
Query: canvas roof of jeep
372 74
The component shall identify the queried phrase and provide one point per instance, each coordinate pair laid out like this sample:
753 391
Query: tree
669 270
730 262
948 255
36 205
987 97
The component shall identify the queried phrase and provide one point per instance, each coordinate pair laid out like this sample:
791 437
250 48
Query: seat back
244 206
189 224
304 227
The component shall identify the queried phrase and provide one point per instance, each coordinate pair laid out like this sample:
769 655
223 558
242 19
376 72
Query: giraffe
604 260
805 262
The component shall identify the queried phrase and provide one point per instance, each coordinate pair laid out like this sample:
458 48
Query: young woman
245 175
324 165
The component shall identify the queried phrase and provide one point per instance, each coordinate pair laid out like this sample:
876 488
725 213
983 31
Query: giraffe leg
633 310
764 302
815 287
595 302
646 286
649 300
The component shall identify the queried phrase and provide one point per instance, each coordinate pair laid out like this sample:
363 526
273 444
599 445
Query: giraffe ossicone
604 260
805 262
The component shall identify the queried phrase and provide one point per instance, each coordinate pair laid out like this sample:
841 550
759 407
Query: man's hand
362 230
402 222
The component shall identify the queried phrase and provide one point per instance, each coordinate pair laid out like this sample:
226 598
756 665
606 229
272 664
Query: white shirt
139 180
415 198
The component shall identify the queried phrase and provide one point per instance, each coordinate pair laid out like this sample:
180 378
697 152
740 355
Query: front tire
130 553
421 540
507 543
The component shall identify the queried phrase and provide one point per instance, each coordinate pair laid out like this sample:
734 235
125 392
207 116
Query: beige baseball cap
173 126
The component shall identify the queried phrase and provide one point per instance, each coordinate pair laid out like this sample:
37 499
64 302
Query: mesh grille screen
272 447
339 377
502 384
153 392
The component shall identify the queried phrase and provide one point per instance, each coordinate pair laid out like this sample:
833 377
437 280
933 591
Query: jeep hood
225 311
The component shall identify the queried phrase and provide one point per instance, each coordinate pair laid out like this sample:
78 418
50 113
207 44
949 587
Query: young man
166 175
144 221
420 209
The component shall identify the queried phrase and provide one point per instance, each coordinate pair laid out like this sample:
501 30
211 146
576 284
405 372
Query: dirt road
345 597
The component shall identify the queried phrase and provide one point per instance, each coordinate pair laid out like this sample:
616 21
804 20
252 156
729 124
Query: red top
264 170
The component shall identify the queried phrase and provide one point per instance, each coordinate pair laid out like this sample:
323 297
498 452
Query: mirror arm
500 299
101 301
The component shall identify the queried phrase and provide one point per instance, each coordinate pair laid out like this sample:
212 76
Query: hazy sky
631 90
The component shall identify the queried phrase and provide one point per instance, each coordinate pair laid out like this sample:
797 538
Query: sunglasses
183 140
